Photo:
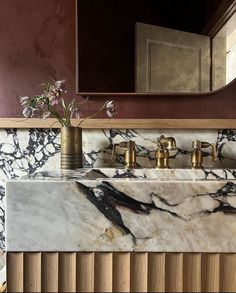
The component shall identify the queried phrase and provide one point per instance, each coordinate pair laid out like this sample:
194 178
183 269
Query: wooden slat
124 123
32 272
67 272
121 272
210 272
50 272
228 272
15 280
85 272
103 272
139 272
192 272
174 272
156 272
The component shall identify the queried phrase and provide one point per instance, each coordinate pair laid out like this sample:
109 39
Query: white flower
59 84
53 98
110 109
71 105
74 112
27 112
24 101
46 114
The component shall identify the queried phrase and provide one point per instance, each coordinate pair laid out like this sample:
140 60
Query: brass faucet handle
205 144
131 144
197 144
113 153
214 152
162 142
166 142
124 144
171 143
213 149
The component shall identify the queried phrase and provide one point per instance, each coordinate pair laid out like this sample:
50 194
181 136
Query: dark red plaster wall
37 41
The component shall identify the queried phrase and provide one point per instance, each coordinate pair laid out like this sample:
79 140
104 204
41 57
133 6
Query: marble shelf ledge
100 212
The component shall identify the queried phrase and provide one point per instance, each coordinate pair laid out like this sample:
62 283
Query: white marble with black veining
96 210
25 151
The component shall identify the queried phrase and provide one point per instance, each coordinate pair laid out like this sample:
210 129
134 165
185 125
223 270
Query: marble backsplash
25 151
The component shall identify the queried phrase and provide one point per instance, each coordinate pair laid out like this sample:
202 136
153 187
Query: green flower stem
81 103
92 116
57 116
66 112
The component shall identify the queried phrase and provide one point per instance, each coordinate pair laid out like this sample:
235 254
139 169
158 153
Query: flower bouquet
51 104
46 105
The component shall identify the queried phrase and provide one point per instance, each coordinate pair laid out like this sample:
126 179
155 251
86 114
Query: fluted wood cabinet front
121 272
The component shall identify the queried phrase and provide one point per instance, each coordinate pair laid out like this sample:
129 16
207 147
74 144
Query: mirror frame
221 16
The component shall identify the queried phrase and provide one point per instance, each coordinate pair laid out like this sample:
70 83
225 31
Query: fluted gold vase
71 148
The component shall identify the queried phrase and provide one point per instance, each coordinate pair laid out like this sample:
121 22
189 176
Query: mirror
127 46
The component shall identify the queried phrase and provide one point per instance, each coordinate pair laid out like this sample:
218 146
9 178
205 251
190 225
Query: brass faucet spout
130 152
164 145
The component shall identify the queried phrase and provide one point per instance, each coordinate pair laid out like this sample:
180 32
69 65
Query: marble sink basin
111 209
162 174
142 173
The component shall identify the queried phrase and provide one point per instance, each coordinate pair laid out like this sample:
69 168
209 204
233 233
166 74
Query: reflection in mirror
144 46
224 54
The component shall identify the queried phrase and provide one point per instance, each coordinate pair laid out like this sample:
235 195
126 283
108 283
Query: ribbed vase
71 148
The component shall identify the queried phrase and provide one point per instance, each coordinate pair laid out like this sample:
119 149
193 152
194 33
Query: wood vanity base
121 272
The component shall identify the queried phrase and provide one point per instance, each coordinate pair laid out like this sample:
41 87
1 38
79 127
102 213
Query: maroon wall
37 42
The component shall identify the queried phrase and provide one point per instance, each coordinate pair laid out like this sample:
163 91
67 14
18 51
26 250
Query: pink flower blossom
27 112
46 114
111 109
24 101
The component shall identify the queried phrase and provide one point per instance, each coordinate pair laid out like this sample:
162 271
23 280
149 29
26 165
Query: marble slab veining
113 213
24 151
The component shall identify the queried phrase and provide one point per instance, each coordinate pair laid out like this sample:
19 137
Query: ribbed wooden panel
49 276
139 272
228 273
156 272
192 272
85 272
32 272
174 272
210 272
15 272
121 272
67 272
103 272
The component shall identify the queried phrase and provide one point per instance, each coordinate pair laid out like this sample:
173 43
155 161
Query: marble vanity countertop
136 173
123 210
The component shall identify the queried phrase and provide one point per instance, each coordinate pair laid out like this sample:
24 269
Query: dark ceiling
186 15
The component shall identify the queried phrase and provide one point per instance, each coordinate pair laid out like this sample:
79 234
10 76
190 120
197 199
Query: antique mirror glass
148 46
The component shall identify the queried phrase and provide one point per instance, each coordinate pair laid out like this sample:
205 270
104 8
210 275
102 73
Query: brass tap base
131 166
162 159
196 166
130 158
